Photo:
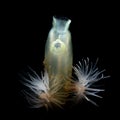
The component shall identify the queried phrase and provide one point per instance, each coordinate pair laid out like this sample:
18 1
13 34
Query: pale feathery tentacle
87 74
42 93
38 94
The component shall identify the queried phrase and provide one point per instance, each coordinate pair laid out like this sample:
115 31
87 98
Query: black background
27 27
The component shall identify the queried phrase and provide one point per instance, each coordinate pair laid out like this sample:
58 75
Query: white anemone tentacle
87 74
38 86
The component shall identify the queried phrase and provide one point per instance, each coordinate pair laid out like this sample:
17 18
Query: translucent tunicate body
58 49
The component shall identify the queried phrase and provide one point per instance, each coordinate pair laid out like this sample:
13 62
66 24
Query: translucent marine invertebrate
57 83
